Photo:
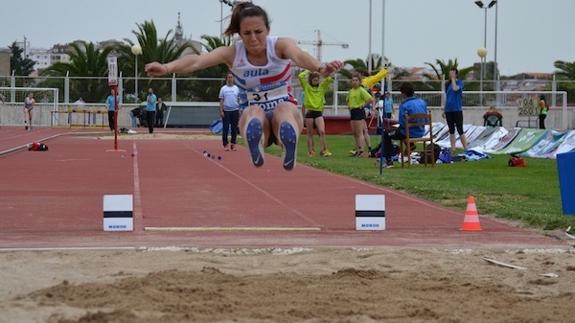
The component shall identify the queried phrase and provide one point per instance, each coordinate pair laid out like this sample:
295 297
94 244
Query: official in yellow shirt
313 104
357 98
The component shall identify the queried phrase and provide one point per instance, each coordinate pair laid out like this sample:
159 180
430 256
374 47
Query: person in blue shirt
411 105
111 104
151 101
453 111
387 104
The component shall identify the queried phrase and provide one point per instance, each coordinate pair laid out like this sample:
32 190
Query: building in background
5 54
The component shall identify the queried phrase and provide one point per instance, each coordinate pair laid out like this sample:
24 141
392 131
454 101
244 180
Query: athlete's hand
331 68
156 69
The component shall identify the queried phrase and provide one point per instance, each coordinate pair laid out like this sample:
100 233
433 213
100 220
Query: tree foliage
86 61
565 72
21 65
162 50
207 90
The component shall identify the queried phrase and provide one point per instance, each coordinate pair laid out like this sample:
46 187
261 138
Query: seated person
492 118
136 117
411 105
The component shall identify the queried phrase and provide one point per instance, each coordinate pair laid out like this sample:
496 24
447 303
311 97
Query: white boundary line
229 229
14 149
138 211
71 249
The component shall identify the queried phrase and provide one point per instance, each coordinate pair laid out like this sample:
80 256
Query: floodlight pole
495 67
115 94
136 51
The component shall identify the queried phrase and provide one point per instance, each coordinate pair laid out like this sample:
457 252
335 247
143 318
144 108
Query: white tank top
265 86
28 103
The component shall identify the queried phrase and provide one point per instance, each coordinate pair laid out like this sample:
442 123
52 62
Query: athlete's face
253 33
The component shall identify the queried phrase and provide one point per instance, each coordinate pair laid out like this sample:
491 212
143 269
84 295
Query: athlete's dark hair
243 10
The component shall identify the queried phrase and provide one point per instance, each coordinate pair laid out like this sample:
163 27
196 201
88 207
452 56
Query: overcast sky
532 34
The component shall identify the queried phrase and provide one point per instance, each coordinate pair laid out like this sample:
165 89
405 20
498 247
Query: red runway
54 200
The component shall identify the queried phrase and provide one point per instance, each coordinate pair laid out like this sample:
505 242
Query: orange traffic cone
471 221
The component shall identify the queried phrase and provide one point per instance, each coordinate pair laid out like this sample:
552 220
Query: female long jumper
261 67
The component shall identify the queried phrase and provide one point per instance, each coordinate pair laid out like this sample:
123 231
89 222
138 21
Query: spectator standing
111 104
453 111
229 111
543 109
151 101
387 105
160 110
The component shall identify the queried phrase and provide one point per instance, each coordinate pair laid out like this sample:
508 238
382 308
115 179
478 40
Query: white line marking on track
208 229
273 198
138 212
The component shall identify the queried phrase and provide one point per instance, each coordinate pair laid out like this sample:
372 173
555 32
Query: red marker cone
471 220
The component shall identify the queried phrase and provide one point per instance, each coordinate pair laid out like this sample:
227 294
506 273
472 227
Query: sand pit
287 285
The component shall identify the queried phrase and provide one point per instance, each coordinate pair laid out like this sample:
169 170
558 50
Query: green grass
530 195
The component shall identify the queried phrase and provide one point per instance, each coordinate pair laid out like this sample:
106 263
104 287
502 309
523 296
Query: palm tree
207 90
360 66
566 72
86 60
153 49
441 70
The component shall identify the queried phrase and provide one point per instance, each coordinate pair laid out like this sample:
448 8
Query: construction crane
319 43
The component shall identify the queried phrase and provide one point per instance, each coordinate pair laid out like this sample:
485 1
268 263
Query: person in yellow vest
357 98
543 109
313 104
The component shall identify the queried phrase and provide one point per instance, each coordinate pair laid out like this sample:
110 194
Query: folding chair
417 120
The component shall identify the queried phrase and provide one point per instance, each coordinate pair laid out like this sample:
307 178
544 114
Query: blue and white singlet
265 86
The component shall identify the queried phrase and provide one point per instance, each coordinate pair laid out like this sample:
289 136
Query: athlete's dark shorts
313 114
357 114
272 138
454 120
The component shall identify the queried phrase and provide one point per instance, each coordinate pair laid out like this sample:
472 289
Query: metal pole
383 30
67 88
495 72
115 93
335 98
221 18
485 30
481 83
565 117
136 79
369 55
174 88
484 59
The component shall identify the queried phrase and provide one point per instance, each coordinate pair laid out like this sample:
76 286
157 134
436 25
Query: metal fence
177 89
93 91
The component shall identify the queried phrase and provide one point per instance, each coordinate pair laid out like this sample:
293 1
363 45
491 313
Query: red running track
54 199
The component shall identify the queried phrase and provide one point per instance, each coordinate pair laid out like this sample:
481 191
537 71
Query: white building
40 56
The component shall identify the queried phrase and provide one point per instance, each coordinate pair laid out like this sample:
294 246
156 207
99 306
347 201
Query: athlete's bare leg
287 124
255 129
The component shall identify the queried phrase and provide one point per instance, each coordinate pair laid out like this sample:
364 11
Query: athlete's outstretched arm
191 63
288 48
